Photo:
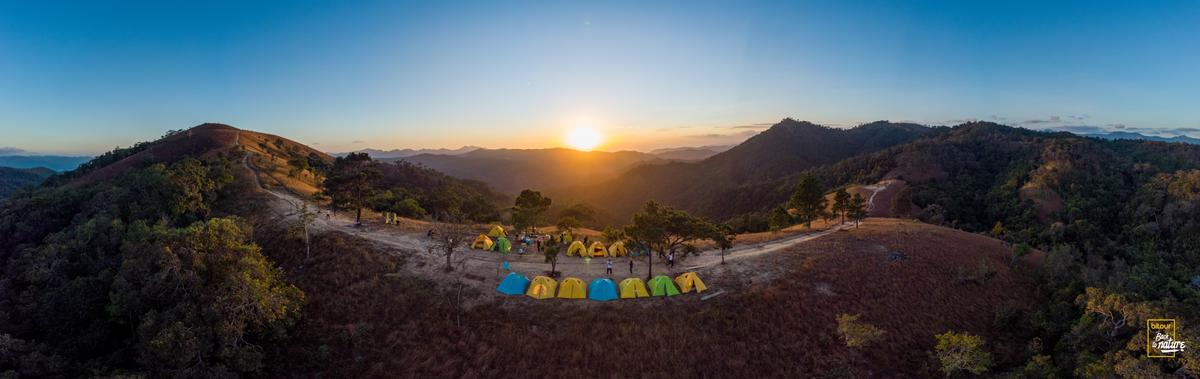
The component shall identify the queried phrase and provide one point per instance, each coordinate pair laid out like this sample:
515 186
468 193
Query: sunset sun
584 137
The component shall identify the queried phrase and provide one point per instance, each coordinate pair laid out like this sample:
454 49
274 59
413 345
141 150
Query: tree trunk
307 245
722 256
358 216
449 254
650 265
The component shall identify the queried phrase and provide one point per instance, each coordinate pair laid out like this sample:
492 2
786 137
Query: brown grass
367 318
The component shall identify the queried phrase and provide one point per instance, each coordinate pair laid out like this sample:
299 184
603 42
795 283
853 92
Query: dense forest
12 179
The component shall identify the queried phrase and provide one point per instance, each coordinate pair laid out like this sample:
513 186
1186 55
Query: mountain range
1139 136
53 162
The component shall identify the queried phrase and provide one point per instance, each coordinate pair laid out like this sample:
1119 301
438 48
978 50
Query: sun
584 137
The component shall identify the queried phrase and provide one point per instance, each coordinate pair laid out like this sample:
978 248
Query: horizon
83 78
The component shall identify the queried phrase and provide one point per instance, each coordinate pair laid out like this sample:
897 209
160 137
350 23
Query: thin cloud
1080 129
356 142
10 150
761 125
958 121
743 134
1050 120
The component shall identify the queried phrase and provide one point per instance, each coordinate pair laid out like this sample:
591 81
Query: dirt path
486 266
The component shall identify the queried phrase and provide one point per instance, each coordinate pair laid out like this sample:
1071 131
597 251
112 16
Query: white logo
1167 345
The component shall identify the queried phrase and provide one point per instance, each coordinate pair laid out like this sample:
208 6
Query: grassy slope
365 317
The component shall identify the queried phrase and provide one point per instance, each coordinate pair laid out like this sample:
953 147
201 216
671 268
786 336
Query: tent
617 249
632 288
662 286
576 249
482 243
602 289
502 245
496 232
597 249
688 281
572 288
541 288
513 284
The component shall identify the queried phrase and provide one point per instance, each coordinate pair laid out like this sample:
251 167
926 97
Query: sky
84 77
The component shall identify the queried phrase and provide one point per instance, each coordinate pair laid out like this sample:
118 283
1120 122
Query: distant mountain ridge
512 170
1139 136
404 153
53 162
689 153
12 179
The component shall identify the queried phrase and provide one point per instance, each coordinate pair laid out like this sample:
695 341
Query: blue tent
513 284
602 289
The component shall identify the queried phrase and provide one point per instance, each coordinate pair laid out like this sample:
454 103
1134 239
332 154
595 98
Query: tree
1019 250
902 203
857 334
857 209
305 217
779 219
612 235
998 230
841 203
528 209
724 239
665 229
961 351
567 224
297 165
551 249
447 239
808 200
350 183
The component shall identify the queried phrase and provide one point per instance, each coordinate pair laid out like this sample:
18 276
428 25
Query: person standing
671 259
609 266
631 266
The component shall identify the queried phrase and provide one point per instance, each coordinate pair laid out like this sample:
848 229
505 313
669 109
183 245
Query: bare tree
447 238
306 217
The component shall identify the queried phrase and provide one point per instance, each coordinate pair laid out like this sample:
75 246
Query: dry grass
366 317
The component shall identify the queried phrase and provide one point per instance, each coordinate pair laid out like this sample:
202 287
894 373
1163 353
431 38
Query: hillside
512 170
12 179
777 316
715 186
690 153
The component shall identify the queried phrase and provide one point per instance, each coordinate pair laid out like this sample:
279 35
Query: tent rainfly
632 288
482 243
617 249
662 286
572 288
576 248
597 249
502 245
541 288
689 281
496 232
513 284
602 289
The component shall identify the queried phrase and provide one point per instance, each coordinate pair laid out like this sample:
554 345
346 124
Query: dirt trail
482 264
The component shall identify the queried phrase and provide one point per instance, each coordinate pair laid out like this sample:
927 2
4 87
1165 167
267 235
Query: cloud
958 121
356 142
761 125
1080 129
10 150
1050 120
711 136
315 144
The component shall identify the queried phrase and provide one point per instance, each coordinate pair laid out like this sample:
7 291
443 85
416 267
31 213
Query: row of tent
501 244
601 289
617 249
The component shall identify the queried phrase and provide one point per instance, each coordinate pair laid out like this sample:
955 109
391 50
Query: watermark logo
1160 339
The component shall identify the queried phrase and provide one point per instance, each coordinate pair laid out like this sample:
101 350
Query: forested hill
710 186
12 179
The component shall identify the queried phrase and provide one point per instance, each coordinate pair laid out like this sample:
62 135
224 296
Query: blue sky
84 77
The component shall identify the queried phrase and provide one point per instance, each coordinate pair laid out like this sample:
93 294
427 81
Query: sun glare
584 137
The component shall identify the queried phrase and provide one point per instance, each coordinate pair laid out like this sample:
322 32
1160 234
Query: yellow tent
497 232
633 288
617 249
541 288
572 288
482 243
690 280
598 249
576 248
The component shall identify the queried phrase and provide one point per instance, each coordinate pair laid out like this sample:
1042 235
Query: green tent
502 245
662 286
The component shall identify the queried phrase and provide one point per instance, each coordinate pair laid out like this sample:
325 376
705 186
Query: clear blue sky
83 77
